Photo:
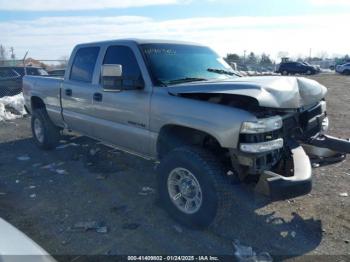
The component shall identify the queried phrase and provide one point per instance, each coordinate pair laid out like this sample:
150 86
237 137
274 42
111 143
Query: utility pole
244 56
310 54
13 56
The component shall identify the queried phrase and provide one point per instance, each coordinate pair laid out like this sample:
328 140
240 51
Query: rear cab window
19 70
84 64
36 71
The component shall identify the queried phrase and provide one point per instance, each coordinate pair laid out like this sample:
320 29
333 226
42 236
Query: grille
300 126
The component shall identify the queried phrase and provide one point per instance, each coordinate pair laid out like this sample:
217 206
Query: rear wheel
46 135
192 186
284 72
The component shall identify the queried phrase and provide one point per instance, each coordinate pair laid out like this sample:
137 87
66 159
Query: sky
49 29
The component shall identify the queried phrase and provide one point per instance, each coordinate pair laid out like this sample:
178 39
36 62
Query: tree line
252 59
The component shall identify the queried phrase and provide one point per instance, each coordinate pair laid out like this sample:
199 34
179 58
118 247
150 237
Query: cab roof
140 42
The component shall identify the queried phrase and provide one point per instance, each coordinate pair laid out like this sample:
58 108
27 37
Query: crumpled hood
269 91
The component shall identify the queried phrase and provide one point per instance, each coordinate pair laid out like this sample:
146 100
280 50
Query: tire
49 136
214 187
308 72
284 73
346 72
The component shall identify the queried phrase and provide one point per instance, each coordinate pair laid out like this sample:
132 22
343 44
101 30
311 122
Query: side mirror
112 77
113 80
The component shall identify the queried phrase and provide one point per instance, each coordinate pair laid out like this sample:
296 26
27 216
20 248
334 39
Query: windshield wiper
186 80
221 72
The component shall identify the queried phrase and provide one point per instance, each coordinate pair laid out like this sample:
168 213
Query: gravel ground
46 193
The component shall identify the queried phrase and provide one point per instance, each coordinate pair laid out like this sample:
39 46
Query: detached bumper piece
280 187
333 143
326 149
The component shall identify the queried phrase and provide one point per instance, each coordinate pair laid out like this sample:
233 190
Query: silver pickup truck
181 104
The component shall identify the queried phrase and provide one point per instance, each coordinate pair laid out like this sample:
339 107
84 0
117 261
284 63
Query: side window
7 73
19 70
84 64
124 56
3 73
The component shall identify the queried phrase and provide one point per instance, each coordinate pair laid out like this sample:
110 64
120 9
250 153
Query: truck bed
49 90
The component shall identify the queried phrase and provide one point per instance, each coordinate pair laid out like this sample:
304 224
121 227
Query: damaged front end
280 150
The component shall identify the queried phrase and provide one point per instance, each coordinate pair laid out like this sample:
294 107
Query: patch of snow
12 107
146 191
61 171
66 145
23 158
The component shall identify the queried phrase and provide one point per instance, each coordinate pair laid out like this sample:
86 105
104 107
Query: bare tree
13 55
3 54
63 61
282 54
323 55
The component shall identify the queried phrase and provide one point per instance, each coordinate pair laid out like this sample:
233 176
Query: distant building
32 62
284 59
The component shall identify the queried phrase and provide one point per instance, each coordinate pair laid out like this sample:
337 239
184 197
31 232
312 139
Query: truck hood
274 91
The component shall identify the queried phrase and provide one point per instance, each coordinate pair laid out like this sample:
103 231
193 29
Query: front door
124 116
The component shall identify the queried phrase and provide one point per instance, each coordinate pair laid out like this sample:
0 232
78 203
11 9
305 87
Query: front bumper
328 149
287 172
280 187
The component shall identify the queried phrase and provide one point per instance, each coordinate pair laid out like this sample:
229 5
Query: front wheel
192 186
45 133
346 72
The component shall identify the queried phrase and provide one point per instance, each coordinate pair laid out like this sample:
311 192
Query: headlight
323 106
262 125
262 147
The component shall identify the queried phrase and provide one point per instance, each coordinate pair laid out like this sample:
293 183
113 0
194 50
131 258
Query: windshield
174 63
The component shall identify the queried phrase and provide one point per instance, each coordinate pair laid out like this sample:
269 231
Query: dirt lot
47 193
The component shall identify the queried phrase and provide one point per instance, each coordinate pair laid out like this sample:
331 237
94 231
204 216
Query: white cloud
52 37
330 2
60 5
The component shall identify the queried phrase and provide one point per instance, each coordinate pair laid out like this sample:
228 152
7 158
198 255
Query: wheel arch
37 103
174 135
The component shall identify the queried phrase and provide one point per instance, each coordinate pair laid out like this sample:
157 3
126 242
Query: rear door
285 67
78 89
123 117
300 68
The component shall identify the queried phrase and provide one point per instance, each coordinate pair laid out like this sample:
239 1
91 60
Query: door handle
97 97
68 92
